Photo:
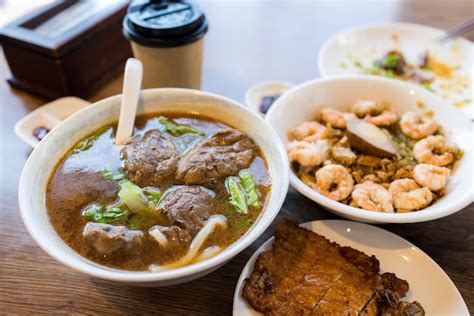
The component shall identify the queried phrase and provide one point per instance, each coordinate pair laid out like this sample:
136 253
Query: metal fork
456 31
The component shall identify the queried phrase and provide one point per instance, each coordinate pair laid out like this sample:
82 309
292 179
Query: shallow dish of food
200 179
383 151
335 267
407 52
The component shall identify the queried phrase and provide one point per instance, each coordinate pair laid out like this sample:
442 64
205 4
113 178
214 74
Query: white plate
48 115
429 284
368 43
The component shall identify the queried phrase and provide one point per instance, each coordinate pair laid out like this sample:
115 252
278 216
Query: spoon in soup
132 82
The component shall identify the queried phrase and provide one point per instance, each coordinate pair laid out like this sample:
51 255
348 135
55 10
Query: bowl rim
91 268
367 26
353 212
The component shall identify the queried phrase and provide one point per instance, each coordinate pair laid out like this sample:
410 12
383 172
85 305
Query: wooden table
247 42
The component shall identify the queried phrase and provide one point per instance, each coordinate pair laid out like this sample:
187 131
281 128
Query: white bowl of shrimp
376 150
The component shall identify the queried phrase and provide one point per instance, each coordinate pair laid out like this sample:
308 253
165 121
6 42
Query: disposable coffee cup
168 38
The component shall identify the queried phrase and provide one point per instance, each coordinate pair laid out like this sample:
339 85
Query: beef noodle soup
180 191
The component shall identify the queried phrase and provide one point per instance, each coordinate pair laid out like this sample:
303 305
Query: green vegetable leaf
132 196
103 214
250 187
237 194
178 130
154 196
117 174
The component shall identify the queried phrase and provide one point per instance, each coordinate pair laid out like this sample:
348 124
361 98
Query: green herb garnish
105 214
392 61
389 73
176 129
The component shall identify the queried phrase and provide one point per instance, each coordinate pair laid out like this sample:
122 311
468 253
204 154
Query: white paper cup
169 40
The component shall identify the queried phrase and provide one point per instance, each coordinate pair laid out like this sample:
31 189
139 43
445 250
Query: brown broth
78 182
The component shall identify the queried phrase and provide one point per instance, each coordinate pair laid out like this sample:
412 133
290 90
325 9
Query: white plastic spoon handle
132 82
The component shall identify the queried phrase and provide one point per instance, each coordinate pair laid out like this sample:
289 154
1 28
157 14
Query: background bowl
344 52
42 161
303 102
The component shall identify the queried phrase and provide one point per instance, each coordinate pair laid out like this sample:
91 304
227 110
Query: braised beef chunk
107 239
223 154
306 274
149 158
187 206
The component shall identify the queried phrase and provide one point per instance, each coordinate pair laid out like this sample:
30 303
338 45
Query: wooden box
66 48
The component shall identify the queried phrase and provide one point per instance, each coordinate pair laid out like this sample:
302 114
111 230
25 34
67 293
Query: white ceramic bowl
43 159
303 102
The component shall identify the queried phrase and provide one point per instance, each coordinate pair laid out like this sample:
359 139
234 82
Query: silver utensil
456 31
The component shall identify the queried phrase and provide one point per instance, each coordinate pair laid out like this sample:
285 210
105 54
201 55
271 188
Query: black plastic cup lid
164 23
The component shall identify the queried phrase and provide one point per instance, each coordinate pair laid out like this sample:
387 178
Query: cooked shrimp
363 108
417 126
308 154
334 181
430 176
308 131
408 195
386 118
372 197
425 151
336 118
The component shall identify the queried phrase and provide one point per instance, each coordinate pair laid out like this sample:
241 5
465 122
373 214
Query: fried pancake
306 274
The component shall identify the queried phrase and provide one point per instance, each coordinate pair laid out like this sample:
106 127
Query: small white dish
429 284
303 102
43 160
364 44
254 94
48 116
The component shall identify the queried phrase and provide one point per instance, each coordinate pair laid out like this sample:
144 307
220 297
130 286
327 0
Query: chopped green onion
154 196
250 187
237 195
103 214
176 129
87 143
117 174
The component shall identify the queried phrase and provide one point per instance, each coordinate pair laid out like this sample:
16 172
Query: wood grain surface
248 41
